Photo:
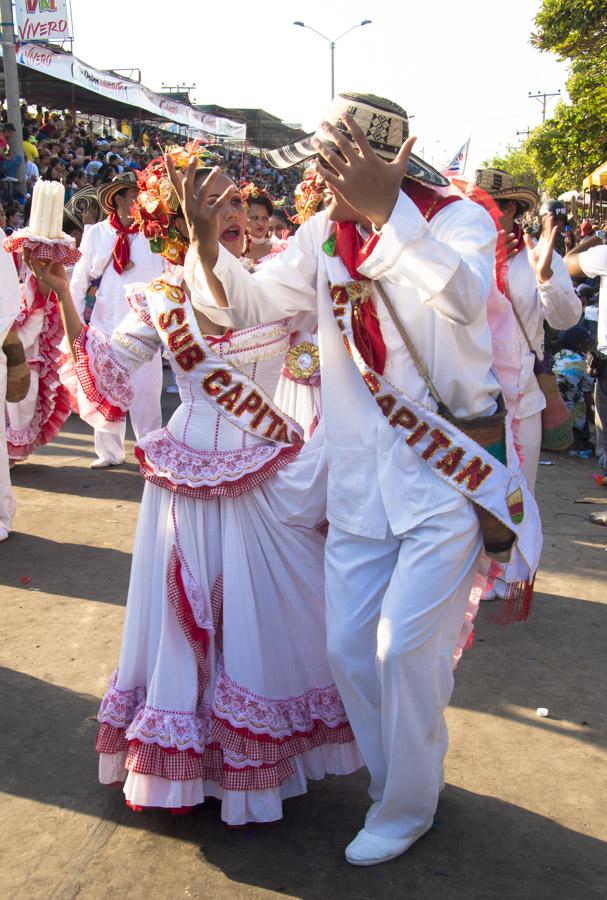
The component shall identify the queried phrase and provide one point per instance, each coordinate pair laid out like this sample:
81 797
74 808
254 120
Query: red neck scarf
501 261
122 248
353 252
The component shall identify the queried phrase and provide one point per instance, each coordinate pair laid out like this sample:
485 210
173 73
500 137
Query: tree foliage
573 142
519 163
571 28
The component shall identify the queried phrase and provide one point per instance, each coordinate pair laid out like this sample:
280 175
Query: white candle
42 212
45 212
46 218
35 206
57 210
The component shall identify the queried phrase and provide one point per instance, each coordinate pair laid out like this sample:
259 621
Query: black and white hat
384 124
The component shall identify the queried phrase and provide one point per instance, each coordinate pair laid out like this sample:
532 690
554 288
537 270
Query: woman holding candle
223 687
40 416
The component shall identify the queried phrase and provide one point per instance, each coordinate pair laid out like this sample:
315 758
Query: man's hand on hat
369 184
201 215
540 254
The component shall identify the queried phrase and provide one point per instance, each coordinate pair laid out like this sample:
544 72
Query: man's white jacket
553 301
96 262
437 275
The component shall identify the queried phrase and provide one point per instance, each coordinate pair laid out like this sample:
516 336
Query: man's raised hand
540 254
366 182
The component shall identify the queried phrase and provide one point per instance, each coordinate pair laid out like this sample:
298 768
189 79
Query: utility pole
542 96
11 83
526 132
177 88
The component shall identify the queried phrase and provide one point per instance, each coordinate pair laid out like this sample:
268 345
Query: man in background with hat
531 281
403 546
115 254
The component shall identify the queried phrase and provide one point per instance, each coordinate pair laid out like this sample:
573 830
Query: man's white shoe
104 462
4 533
489 594
368 849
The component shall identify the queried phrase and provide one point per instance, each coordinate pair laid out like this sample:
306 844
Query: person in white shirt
403 546
10 298
533 284
32 173
116 254
587 260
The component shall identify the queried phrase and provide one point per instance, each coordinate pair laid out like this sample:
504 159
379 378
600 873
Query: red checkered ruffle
104 381
62 250
214 763
186 745
233 488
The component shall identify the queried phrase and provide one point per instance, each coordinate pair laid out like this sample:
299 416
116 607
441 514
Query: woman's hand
201 215
369 184
51 275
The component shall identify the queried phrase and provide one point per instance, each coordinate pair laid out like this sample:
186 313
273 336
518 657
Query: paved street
523 813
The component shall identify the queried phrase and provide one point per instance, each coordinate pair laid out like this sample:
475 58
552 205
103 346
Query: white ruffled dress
223 687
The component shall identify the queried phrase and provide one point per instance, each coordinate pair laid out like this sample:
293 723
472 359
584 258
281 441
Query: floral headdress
157 204
252 193
309 197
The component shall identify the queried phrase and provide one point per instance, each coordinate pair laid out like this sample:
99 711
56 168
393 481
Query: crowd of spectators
80 153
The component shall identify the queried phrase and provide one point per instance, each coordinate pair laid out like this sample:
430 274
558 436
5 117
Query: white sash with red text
233 394
449 453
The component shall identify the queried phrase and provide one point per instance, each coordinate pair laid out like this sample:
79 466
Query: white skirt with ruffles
223 687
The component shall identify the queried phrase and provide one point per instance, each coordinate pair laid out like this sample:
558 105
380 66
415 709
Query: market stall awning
598 178
56 79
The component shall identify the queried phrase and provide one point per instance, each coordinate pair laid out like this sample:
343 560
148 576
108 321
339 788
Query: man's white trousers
145 411
530 439
395 608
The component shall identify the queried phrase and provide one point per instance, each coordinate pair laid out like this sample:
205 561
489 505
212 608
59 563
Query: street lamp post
332 42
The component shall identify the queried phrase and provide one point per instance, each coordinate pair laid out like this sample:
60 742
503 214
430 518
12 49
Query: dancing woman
223 687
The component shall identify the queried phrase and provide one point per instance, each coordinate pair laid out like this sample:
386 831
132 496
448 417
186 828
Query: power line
542 96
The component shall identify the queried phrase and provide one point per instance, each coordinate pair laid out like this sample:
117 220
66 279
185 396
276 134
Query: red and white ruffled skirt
223 687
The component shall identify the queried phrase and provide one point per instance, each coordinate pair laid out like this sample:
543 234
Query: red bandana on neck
122 247
501 261
353 251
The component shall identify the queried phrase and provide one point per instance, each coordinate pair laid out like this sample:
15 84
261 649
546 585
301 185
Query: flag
457 163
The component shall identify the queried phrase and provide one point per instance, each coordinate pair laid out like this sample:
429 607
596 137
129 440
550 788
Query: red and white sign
42 20
71 69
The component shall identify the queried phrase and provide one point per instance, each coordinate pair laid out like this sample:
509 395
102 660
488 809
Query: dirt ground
522 816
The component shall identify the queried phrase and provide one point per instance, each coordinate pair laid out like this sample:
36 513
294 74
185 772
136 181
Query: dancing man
399 274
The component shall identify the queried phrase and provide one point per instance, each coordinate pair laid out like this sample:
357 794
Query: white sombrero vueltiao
385 125
501 186
107 192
